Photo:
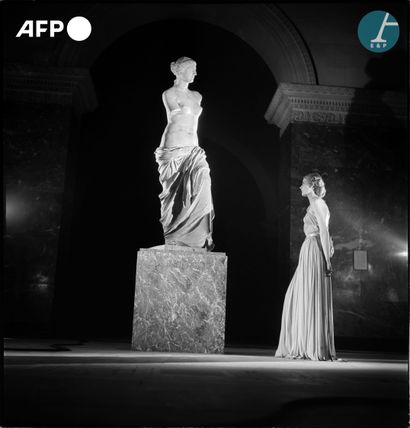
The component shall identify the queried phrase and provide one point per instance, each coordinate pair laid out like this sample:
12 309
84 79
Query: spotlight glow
11 209
402 254
16 209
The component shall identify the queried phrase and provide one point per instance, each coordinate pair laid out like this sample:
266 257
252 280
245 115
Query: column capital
335 105
26 83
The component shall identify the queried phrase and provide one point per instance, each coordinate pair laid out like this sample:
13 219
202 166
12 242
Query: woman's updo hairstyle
316 181
178 65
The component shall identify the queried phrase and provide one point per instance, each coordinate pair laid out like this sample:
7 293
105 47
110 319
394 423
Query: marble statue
186 201
307 317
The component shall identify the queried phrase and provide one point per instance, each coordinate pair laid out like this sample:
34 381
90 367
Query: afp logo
78 28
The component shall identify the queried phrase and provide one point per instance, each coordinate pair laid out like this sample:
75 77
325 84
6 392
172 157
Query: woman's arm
322 215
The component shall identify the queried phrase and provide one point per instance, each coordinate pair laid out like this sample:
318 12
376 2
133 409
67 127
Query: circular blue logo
378 31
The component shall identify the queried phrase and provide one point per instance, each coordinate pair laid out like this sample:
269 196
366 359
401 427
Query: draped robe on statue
186 201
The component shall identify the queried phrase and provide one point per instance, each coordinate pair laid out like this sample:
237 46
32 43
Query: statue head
180 66
314 181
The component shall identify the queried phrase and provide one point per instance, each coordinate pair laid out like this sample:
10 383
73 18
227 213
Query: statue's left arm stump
180 300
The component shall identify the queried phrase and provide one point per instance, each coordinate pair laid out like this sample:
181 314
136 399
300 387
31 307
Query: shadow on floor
342 412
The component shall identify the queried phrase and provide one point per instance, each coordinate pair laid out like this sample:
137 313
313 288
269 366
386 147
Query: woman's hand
329 269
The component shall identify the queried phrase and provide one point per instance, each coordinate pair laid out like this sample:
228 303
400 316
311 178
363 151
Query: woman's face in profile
188 73
305 188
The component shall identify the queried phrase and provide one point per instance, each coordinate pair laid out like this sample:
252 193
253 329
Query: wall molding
335 105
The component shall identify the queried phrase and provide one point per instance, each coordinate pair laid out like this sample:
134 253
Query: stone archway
264 27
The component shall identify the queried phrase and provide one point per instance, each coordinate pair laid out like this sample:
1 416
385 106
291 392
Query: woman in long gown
307 317
186 202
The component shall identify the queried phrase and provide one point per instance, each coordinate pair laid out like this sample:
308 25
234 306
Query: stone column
42 110
357 139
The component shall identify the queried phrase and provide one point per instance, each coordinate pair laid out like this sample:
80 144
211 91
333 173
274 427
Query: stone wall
35 138
367 197
40 104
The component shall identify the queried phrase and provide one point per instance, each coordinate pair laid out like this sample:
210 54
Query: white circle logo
79 28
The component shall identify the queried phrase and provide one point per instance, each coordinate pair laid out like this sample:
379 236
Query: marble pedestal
180 298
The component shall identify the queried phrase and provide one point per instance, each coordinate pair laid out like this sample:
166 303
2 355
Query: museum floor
102 384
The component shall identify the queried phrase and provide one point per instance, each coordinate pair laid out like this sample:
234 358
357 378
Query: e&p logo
378 31
78 28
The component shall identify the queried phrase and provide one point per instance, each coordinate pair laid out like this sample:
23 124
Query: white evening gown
307 317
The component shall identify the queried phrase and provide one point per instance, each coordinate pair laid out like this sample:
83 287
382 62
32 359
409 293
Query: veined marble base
180 299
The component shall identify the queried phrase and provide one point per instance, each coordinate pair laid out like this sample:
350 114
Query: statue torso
181 129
